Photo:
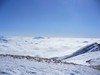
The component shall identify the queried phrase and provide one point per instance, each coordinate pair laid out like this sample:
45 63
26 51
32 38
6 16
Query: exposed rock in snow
94 62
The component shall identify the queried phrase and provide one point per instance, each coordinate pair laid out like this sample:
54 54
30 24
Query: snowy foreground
30 56
10 65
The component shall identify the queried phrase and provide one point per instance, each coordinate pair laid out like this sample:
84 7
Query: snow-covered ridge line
38 59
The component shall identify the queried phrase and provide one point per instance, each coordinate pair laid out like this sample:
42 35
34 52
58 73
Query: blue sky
70 18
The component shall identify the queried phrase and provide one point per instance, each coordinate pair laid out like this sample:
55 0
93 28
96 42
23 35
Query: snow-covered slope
15 65
89 59
42 46
89 48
